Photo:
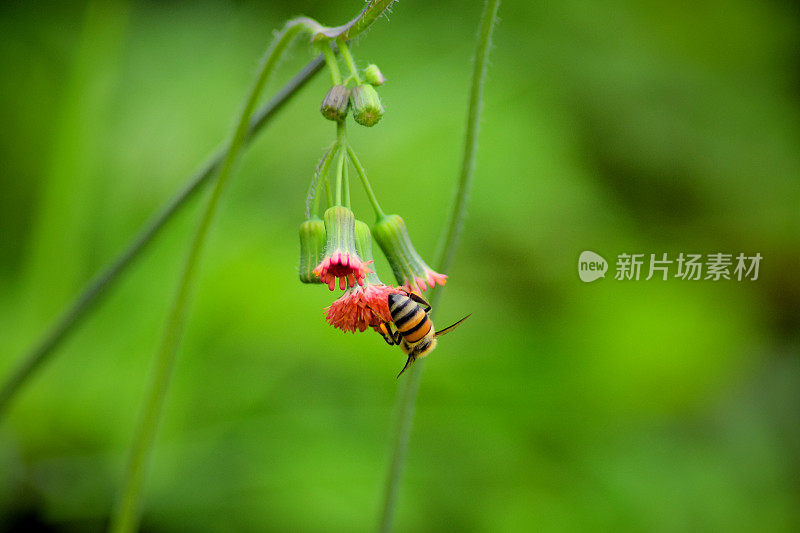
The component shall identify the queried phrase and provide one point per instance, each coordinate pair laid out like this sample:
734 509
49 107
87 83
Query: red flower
361 308
431 278
348 267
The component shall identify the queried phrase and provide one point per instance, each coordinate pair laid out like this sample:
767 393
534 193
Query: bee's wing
448 329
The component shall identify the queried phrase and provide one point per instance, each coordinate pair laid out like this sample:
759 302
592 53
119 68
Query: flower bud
312 248
374 76
364 248
410 270
341 260
366 105
334 106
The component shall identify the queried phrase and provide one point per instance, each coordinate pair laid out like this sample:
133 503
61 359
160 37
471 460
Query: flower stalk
126 517
319 182
407 397
330 62
350 62
341 142
362 174
92 294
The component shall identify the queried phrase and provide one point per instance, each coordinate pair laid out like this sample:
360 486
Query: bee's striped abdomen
409 318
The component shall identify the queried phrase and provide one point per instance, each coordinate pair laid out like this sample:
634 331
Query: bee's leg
386 332
410 360
420 300
397 337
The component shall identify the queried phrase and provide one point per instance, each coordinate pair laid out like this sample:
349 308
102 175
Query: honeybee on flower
337 248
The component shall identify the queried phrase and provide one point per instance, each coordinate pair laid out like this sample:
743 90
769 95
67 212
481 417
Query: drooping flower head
409 269
364 306
366 105
334 106
312 248
341 259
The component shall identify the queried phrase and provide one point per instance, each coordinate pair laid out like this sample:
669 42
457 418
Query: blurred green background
639 127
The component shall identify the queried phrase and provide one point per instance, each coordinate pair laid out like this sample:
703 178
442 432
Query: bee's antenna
410 360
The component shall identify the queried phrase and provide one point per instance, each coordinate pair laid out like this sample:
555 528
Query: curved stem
365 182
373 10
126 517
321 174
448 248
332 64
408 397
98 287
351 64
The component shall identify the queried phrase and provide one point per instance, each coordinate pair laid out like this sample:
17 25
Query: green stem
330 61
98 287
339 172
329 191
408 397
373 10
341 140
320 175
345 182
448 248
365 182
126 517
348 59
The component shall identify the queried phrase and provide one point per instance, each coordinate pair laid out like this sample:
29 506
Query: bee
414 331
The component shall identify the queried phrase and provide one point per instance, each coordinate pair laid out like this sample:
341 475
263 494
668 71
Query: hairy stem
345 181
365 182
98 287
341 141
408 396
328 190
372 12
339 176
350 62
126 517
332 64
320 177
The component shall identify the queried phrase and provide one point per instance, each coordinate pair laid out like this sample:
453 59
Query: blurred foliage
616 126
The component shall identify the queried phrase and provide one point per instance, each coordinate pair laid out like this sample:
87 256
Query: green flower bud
312 248
410 270
366 104
374 76
364 248
334 106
